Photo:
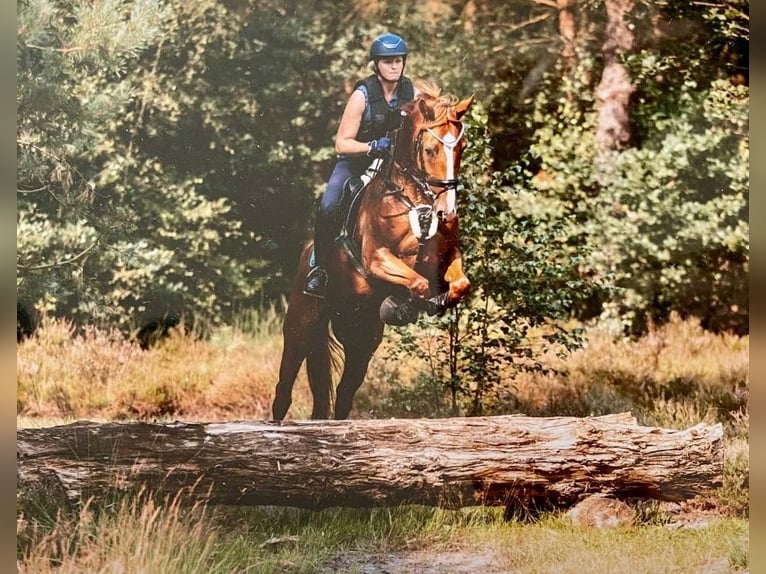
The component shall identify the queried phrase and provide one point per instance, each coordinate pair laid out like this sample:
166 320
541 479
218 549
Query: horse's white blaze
451 202
449 143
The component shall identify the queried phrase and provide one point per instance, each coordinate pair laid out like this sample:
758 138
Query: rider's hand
379 146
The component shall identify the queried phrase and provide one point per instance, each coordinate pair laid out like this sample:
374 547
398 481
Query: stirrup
316 282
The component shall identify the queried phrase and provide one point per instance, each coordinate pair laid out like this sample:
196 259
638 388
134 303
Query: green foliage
669 220
664 221
170 155
104 232
244 120
674 215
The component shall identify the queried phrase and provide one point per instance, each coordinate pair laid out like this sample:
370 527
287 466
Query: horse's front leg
459 285
382 264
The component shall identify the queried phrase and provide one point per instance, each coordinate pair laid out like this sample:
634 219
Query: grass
140 536
652 549
102 375
676 376
134 535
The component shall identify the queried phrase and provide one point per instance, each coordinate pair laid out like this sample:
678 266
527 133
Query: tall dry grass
676 376
101 374
134 534
138 535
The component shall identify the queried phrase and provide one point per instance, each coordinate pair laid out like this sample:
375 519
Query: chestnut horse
397 256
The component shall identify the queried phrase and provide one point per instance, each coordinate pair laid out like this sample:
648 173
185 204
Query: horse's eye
431 152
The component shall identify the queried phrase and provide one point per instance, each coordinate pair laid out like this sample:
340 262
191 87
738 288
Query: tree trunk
446 462
567 31
614 91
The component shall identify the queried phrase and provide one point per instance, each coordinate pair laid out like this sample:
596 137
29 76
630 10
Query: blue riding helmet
387 45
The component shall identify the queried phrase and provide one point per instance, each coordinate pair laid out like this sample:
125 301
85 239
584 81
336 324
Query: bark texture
615 88
446 462
567 31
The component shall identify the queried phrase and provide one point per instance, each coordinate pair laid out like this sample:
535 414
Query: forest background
170 156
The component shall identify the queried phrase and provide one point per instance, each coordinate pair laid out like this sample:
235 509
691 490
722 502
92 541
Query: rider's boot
316 280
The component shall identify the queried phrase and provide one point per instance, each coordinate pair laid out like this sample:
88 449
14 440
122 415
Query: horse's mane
441 104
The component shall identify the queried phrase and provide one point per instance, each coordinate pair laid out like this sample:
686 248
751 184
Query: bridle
424 219
449 143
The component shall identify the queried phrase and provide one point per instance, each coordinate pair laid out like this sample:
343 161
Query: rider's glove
379 146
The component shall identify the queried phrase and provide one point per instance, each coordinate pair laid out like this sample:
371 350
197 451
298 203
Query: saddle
352 192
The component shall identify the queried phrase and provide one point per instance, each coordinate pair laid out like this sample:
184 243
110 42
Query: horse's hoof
437 305
394 311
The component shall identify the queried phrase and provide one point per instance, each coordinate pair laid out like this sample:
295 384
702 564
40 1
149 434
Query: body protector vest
376 121
374 125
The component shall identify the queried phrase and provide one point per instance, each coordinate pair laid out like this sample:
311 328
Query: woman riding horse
400 256
361 135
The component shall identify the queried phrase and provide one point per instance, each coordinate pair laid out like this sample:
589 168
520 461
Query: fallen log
446 462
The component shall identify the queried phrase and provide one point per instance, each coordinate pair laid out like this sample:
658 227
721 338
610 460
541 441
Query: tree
99 226
659 199
615 88
170 154
446 462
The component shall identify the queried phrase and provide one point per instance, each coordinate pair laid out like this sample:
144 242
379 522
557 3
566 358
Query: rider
362 134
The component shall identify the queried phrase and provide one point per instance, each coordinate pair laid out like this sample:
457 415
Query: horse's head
430 144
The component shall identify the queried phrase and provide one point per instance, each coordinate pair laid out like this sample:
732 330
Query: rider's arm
345 139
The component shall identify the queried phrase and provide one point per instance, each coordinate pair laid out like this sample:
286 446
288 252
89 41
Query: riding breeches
329 215
333 195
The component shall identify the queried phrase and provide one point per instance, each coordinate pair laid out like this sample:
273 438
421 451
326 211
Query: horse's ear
427 112
463 106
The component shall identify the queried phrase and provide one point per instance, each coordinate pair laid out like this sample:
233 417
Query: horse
397 256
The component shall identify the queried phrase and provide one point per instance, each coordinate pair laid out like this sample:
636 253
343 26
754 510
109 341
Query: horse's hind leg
292 359
309 340
300 323
359 344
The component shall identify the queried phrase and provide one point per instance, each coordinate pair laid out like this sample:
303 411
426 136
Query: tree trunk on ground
446 462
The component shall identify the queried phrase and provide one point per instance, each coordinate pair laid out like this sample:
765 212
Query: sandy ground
485 560
414 562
